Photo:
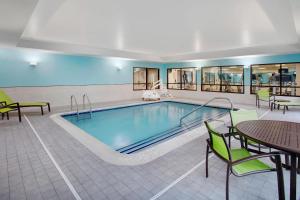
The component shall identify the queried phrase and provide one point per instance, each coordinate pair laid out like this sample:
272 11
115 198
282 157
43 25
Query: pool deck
40 160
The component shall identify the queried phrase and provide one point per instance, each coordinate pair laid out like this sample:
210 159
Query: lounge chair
239 161
263 95
285 104
5 109
8 101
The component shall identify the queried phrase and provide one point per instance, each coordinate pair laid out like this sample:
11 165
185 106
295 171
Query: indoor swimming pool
128 129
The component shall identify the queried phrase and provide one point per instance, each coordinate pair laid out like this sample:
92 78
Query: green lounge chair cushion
24 104
5 97
247 166
5 110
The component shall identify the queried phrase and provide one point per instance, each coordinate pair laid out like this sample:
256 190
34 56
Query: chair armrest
3 102
253 157
16 104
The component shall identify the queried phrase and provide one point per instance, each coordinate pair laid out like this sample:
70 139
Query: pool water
124 126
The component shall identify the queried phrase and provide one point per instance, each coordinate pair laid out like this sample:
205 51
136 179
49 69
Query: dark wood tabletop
281 135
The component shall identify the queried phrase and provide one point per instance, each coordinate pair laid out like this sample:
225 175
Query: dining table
280 135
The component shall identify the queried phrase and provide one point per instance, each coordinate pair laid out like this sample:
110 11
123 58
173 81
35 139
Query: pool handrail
206 103
75 101
85 96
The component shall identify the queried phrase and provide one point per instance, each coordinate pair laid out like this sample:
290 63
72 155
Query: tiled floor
26 171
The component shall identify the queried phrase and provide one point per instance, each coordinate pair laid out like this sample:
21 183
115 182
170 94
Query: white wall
202 95
60 95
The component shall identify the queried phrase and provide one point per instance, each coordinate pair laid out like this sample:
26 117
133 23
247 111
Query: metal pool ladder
85 96
74 101
206 103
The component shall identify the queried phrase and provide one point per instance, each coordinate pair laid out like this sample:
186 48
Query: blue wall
246 61
61 69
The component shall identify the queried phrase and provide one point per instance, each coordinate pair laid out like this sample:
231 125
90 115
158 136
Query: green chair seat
5 110
247 166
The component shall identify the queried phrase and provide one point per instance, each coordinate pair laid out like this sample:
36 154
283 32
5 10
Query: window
143 78
182 79
223 79
280 79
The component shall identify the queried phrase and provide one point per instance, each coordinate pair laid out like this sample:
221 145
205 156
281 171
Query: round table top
281 135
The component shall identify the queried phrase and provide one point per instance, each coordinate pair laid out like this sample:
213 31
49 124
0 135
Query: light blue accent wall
246 61
60 69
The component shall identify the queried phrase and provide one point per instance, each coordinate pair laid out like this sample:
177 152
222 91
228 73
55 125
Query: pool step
162 136
158 138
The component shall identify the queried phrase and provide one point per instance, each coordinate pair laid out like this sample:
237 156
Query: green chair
4 109
8 101
239 161
263 95
238 116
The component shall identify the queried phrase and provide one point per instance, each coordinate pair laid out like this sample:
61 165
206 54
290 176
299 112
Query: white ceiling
158 30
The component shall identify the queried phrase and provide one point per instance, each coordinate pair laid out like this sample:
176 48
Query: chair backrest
5 97
263 94
238 116
218 143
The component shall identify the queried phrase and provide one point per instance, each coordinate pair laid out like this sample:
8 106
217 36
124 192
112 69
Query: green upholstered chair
263 95
238 116
5 109
7 100
240 162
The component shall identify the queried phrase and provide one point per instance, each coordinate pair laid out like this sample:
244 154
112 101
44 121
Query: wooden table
279 135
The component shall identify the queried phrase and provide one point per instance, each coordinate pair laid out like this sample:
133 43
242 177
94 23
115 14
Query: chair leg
49 109
229 142
206 161
280 180
272 106
227 181
284 108
19 114
287 159
298 167
2 115
7 116
42 110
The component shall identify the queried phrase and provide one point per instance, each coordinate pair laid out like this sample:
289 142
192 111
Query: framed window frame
146 83
221 85
181 83
280 82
